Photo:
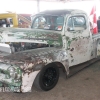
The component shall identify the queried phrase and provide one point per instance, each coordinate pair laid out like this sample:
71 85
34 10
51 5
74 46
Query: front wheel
47 78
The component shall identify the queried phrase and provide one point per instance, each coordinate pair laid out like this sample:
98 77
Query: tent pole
38 7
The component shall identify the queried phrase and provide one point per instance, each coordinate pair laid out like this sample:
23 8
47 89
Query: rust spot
71 49
72 60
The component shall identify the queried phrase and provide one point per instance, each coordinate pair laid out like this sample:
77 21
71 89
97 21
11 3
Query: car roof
60 12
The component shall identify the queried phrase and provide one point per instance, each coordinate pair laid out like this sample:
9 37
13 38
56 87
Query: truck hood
30 35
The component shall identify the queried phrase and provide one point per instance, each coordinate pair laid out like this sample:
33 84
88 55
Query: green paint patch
69 41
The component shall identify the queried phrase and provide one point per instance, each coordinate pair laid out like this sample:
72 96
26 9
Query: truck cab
74 27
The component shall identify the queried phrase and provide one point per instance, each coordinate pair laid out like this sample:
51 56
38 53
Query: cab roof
60 12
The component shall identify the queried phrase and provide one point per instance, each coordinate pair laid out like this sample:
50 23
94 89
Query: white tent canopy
30 6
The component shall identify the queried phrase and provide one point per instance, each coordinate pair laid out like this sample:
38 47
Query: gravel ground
85 85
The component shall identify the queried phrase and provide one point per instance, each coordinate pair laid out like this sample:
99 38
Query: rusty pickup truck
57 39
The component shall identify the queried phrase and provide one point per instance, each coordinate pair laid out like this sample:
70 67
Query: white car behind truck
58 39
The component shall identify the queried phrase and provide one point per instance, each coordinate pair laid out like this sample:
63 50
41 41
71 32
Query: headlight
13 73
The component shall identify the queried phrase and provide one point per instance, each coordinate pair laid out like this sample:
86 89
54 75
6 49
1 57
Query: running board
74 69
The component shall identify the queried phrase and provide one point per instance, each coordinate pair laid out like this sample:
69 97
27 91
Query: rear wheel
47 78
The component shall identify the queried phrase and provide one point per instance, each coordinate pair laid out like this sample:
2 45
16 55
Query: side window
76 23
79 21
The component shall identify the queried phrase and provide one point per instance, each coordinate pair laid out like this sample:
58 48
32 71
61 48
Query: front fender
43 59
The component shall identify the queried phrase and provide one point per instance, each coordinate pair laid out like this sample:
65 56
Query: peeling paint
30 35
27 81
30 62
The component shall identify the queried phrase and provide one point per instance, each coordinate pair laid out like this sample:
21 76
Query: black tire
47 78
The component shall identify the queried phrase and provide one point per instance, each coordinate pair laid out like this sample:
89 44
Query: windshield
48 22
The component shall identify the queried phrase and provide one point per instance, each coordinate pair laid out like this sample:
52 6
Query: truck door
78 39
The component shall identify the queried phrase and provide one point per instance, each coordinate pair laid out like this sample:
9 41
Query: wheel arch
63 65
56 64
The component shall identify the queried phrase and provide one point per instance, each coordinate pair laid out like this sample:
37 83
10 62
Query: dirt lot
85 85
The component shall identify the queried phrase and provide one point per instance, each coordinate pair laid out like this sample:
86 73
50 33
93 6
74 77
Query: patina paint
30 35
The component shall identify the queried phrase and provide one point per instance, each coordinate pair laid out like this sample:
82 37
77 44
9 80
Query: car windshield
48 22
